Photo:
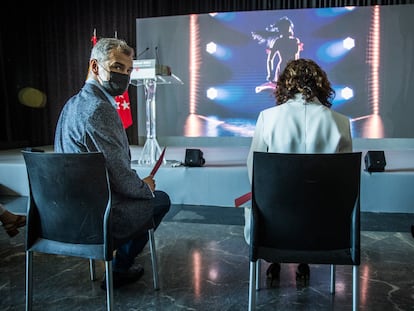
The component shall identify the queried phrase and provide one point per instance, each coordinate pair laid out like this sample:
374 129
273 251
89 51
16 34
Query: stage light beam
335 50
219 51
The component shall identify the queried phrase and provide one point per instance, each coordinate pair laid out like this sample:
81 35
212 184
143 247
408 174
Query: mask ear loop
106 70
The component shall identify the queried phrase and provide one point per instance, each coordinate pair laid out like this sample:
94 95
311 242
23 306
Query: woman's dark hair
304 76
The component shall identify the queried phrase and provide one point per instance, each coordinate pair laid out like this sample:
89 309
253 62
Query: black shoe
273 272
303 273
120 279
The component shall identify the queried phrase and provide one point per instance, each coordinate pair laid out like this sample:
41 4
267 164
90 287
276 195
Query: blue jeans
125 255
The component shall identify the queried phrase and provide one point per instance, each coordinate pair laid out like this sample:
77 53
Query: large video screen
228 63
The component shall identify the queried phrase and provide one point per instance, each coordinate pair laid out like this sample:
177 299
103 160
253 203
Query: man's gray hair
104 46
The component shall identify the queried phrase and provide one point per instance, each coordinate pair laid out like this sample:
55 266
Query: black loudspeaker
375 161
194 157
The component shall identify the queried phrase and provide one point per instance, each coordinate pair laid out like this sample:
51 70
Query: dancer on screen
281 42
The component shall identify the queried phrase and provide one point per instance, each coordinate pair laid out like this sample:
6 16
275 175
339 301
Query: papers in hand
158 164
243 199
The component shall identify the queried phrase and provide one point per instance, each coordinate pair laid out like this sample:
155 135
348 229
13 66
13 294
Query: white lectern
149 74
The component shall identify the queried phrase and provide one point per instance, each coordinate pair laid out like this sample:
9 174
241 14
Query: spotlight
347 93
211 48
212 93
348 43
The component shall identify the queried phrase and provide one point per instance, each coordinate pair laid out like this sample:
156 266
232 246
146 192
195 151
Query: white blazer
298 126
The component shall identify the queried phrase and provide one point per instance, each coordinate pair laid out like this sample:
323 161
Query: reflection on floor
204 265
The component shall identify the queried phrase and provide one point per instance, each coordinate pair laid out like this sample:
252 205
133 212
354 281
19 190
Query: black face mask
117 83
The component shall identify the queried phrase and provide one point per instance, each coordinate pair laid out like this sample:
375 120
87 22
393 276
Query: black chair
305 209
69 213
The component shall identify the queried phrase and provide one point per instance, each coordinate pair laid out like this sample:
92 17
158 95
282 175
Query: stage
224 177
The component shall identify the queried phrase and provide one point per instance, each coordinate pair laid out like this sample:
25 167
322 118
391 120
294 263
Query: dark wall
46 45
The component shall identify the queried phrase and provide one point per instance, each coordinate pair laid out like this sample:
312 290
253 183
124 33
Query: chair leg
355 288
153 258
29 280
333 279
252 286
109 286
258 273
92 269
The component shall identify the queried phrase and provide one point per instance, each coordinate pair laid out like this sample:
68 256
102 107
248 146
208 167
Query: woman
301 122
11 222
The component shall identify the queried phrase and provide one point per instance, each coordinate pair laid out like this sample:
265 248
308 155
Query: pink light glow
197 273
373 126
364 284
194 62
373 58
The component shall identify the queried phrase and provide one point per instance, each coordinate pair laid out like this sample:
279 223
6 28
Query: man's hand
150 181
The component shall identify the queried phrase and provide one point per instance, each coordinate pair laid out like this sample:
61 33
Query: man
302 122
89 122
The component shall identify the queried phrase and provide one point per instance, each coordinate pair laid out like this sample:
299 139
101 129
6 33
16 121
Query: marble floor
203 265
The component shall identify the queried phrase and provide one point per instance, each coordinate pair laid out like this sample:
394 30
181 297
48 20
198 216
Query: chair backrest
305 207
70 199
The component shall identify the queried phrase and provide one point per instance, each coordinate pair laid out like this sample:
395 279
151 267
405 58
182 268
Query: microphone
161 70
143 52
157 58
